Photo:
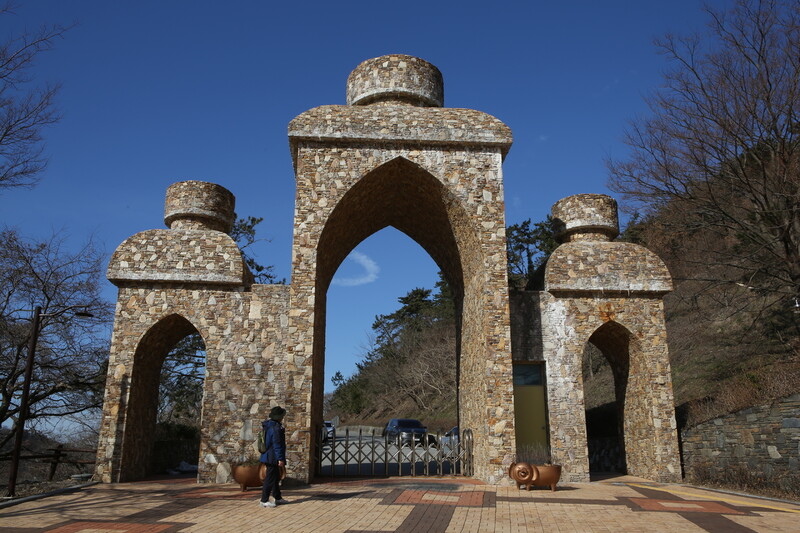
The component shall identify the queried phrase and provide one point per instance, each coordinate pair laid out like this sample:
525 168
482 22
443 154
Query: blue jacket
275 440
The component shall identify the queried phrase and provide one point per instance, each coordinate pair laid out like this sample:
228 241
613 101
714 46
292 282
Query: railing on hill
59 455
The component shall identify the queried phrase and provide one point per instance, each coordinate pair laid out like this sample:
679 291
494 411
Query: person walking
274 458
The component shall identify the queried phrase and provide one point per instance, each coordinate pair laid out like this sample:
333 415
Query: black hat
277 412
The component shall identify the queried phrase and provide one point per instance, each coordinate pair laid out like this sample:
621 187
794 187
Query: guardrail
60 455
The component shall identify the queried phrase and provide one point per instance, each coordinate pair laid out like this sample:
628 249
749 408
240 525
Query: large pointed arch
403 195
142 399
400 194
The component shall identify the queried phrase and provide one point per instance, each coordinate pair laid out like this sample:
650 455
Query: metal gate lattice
371 454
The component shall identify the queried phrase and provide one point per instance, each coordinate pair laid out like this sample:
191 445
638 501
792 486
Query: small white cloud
371 271
543 138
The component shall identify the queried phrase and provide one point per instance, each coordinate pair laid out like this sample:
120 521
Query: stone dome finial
199 205
586 217
396 79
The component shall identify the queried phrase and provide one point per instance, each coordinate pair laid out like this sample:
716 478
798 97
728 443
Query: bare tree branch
71 354
721 147
25 109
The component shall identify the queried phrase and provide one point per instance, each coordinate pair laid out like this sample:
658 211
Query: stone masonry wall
650 439
581 215
609 294
396 78
185 256
762 440
556 330
606 267
433 173
526 326
246 367
396 158
191 279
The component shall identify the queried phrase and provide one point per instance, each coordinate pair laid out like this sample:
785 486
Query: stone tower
609 294
393 156
172 282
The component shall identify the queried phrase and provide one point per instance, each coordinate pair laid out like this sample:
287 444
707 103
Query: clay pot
535 475
548 476
249 475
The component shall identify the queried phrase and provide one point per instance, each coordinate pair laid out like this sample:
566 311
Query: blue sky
158 92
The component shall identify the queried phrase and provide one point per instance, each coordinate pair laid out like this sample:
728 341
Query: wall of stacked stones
763 441
247 370
473 198
568 321
526 326
526 340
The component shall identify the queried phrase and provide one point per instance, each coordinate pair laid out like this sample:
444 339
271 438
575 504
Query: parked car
328 431
451 436
407 430
449 442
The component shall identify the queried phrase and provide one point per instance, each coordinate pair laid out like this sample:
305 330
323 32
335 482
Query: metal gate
371 454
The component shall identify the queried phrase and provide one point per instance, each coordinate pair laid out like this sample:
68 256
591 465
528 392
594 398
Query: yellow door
530 410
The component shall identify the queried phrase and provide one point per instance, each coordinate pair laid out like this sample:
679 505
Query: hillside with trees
714 170
731 346
711 183
409 369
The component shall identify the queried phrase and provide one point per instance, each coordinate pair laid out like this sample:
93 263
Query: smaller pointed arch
613 339
143 395
163 334
606 428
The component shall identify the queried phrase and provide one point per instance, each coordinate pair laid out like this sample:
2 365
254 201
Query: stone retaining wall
763 441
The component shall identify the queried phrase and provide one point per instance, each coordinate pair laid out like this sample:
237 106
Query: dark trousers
271 484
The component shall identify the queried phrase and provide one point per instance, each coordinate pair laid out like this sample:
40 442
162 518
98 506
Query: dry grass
32 488
743 479
32 477
746 389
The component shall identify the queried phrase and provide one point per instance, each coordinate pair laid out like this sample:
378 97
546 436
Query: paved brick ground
450 505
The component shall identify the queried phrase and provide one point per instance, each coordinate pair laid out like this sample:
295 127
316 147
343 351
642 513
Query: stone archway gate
393 156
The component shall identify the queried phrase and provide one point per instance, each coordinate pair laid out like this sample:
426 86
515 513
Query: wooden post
54 463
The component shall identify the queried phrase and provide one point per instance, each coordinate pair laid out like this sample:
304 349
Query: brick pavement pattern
441 505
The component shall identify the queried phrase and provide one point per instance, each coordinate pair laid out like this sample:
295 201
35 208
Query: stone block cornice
179 256
398 124
606 267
